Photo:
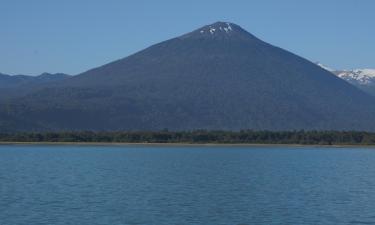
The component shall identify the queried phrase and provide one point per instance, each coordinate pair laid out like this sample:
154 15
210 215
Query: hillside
216 77
17 85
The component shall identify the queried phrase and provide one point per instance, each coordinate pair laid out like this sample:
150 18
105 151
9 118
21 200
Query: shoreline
182 144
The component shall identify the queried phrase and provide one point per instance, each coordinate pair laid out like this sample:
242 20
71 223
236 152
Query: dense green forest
200 137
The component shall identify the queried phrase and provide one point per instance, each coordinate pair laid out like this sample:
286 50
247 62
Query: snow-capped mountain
362 78
216 77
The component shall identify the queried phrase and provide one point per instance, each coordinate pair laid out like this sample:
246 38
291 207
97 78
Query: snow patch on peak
220 31
217 27
229 28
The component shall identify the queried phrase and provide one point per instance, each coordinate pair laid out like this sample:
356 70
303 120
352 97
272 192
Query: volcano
217 77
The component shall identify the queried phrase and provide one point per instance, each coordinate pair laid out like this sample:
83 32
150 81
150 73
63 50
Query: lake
177 185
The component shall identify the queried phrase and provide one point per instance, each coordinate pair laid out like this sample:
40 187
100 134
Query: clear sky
72 36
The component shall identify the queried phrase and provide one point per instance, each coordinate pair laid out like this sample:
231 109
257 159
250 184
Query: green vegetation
200 137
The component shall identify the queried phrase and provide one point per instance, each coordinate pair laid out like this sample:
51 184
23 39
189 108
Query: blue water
115 185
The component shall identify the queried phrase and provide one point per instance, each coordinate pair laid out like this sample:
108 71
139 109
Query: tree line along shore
198 137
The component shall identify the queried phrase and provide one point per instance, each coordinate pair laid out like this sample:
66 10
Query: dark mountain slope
217 77
17 85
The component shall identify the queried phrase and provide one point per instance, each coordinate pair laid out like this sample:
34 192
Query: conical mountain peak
219 27
218 77
223 30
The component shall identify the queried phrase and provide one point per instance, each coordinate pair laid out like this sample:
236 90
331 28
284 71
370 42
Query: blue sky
72 36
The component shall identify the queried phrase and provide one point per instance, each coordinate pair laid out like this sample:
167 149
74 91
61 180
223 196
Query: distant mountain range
216 77
361 78
18 85
11 81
